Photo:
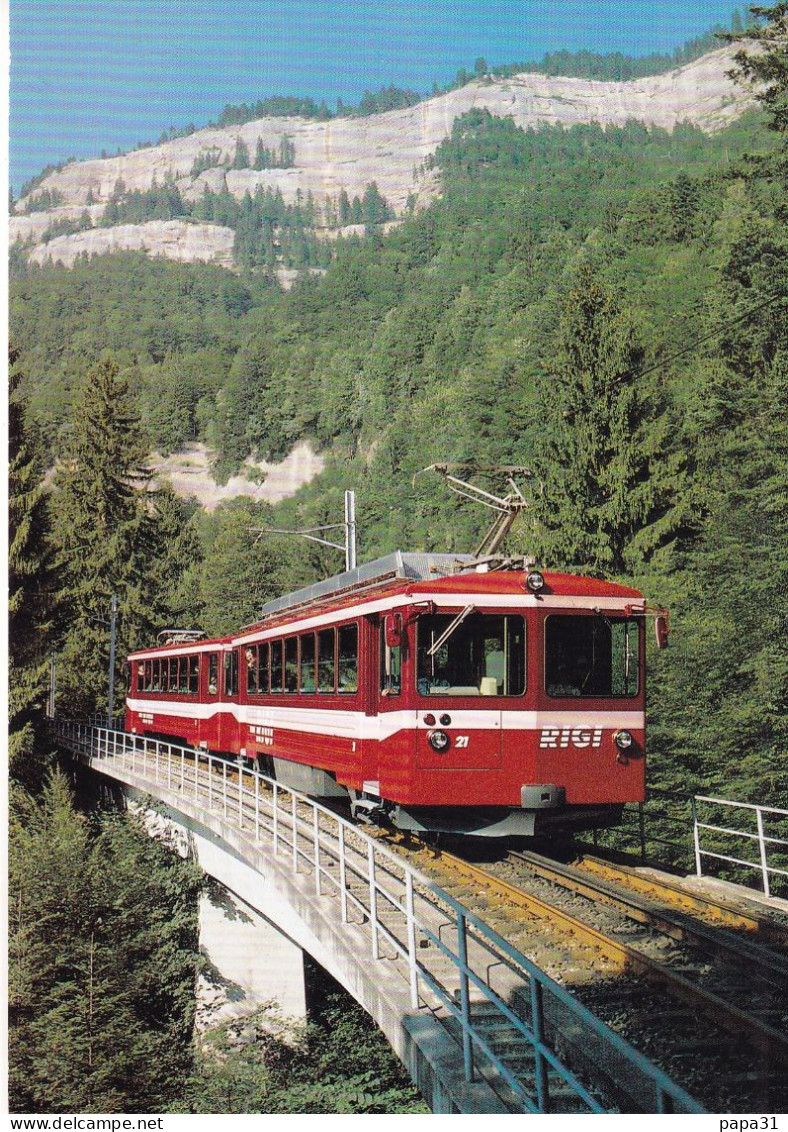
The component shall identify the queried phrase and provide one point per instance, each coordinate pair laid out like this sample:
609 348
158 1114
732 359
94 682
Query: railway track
673 972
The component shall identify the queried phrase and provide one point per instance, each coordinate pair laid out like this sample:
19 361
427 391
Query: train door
228 689
468 665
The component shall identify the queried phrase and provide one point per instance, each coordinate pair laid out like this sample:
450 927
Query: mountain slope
393 150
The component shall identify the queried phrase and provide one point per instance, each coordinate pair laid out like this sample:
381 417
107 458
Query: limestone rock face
173 239
390 149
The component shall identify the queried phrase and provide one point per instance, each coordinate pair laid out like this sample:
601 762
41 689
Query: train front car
512 704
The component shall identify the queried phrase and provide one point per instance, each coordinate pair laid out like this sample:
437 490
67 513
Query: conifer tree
612 485
103 939
102 533
31 582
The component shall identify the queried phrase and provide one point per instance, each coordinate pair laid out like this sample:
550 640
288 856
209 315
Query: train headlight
534 582
623 740
439 741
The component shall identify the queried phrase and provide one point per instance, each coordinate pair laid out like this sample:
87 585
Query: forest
608 307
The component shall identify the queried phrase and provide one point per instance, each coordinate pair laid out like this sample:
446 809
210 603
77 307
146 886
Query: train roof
406 574
423 573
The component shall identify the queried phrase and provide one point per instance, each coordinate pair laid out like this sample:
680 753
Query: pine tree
612 479
102 533
766 67
30 592
102 955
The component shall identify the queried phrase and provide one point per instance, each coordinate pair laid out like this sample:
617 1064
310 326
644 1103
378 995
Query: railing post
762 847
256 806
316 837
537 1025
373 899
169 766
276 818
224 786
696 837
240 793
294 819
183 767
465 998
412 965
196 772
342 874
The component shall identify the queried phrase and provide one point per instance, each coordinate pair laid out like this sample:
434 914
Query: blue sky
88 75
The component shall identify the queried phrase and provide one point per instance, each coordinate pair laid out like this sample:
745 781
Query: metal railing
408 920
764 841
667 828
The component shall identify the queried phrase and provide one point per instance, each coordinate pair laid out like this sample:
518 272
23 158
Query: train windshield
591 656
482 655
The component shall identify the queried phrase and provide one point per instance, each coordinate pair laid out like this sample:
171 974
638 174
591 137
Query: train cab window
213 674
591 656
390 666
307 676
478 654
326 660
348 659
231 673
277 667
291 664
194 675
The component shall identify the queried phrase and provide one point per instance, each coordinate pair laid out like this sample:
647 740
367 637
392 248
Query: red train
443 694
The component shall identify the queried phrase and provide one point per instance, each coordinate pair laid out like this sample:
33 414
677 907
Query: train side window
164 675
326 660
291 664
390 666
252 670
173 674
155 678
348 659
213 674
277 667
194 675
307 677
231 673
262 667
148 677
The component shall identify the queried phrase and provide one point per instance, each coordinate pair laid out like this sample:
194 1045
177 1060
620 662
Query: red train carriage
447 695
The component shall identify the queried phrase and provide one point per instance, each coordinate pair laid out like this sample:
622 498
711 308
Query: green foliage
44 201
614 489
106 538
336 1064
31 582
766 67
102 950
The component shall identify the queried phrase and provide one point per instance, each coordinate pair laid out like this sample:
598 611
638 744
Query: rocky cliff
350 153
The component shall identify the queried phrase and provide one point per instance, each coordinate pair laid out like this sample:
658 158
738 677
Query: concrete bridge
478 1026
